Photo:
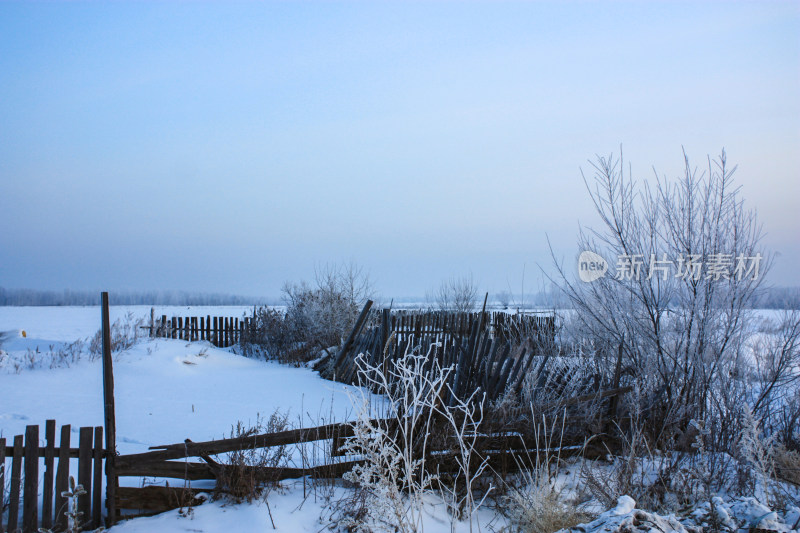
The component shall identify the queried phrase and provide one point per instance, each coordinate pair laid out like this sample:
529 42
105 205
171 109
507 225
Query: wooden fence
95 458
171 461
418 324
227 331
477 345
502 442
27 459
221 331
489 353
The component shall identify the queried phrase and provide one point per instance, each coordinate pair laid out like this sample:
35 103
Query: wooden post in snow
110 418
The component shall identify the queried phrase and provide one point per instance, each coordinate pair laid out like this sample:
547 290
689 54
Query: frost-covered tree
685 261
458 294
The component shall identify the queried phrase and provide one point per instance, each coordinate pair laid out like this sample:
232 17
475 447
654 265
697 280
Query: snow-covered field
167 391
170 390
69 323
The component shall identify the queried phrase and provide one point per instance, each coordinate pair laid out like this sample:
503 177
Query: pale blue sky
229 147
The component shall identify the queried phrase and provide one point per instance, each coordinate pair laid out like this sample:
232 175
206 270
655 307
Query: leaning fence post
110 419
353 334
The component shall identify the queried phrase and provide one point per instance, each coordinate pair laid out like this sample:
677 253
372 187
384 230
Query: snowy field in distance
169 390
166 390
70 323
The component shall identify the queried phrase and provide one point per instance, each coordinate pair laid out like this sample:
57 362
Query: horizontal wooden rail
196 449
200 471
212 330
74 453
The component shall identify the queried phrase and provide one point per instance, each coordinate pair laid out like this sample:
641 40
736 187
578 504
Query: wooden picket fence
489 353
477 345
221 331
171 461
226 331
502 442
407 323
27 459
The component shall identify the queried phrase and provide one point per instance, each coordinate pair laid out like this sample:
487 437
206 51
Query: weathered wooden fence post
16 482
110 418
97 477
30 493
49 473
85 471
2 479
353 334
62 478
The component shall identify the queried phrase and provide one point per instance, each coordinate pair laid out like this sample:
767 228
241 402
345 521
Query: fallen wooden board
157 499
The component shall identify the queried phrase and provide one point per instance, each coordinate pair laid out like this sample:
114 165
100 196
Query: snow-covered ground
170 390
69 323
166 391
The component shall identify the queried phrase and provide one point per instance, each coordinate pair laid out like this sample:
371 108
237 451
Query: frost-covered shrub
316 317
395 475
456 294
540 508
400 471
775 364
787 464
246 473
269 334
75 520
380 480
534 502
125 332
683 331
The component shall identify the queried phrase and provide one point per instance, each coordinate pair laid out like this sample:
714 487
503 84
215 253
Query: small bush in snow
787 464
536 503
125 332
246 476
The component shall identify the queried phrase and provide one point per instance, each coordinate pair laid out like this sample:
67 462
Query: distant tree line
779 298
35 297
767 298
770 298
